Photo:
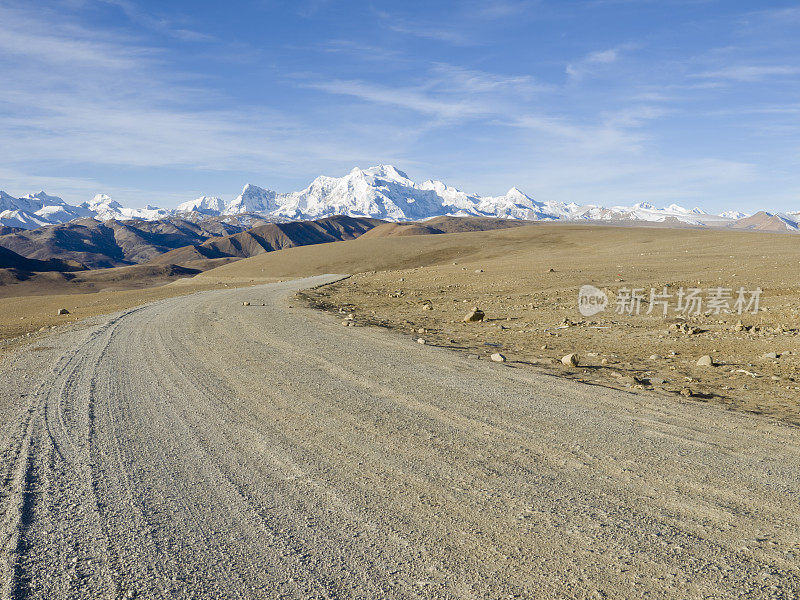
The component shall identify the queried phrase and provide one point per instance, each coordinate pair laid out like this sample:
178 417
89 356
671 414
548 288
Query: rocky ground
234 444
530 303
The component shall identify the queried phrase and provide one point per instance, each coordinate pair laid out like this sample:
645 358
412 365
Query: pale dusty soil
24 319
199 448
525 304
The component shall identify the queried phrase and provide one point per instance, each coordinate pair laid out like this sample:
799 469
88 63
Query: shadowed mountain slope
271 237
113 243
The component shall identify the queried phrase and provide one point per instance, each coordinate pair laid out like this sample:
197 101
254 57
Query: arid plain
526 280
229 439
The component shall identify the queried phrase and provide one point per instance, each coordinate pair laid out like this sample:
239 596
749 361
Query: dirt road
199 448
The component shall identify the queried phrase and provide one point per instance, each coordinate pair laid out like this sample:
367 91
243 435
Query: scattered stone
427 306
685 328
570 360
770 356
655 357
551 270
545 347
474 315
345 323
245 303
686 392
420 330
739 326
421 341
63 311
705 361
479 270
497 357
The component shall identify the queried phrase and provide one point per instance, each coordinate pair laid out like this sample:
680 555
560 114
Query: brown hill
11 260
442 225
764 221
16 283
113 243
271 237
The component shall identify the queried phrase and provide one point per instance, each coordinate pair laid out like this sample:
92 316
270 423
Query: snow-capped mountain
765 221
382 192
204 205
644 211
253 199
385 192
35 210
104 208
734 214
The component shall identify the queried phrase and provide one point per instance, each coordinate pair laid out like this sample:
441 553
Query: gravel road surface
199 448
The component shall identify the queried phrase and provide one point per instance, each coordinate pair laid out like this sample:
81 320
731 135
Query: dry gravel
196 447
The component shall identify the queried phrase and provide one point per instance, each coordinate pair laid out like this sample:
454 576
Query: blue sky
592 101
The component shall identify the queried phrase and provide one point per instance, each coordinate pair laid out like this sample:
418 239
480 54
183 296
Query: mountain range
381 192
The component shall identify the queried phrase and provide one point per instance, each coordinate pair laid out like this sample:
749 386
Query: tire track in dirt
196 447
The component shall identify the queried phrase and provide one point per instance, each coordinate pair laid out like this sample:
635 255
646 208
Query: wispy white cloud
83 99
410 98
592 62
450 32
749 73
362 51
448 92
501 9
159 24
78 96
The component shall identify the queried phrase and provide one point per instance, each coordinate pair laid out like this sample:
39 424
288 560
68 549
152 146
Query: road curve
199 448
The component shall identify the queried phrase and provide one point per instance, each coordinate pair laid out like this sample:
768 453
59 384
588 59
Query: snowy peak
203 205
102 203
382 191
734 215
253 199
388 172
103 208
43 199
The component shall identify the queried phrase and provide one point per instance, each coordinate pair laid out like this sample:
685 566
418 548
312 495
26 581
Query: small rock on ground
476 314
705 361
570 360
